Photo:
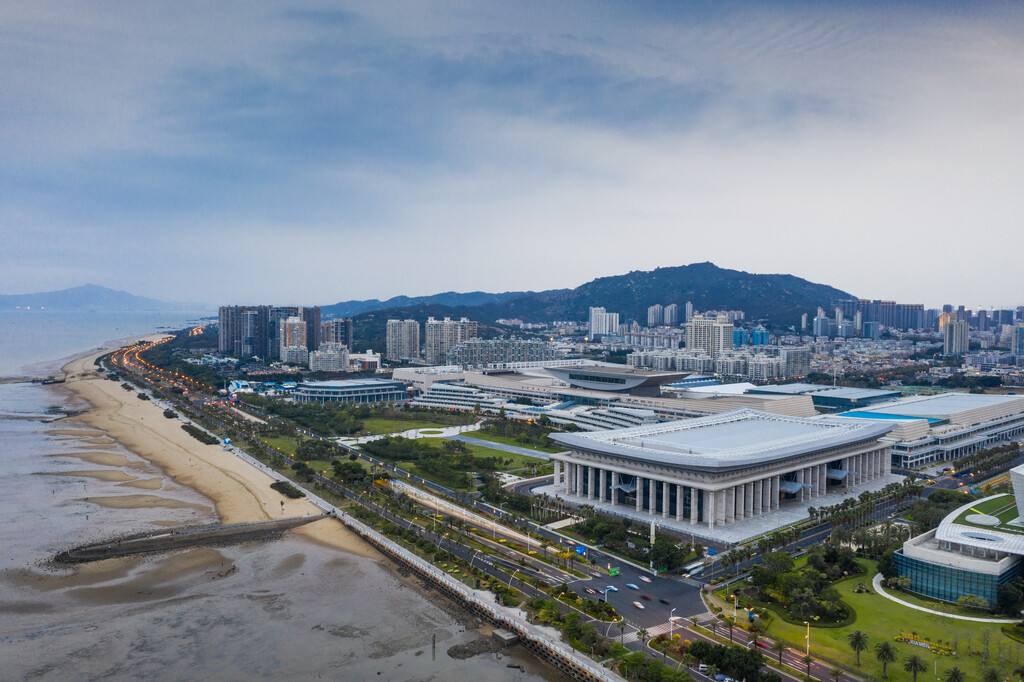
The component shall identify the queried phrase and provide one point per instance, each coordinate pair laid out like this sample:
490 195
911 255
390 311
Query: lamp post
808 637
512 578
671 624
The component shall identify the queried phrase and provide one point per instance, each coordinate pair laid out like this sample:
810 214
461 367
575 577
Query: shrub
143 396
170 414
199 434
287 489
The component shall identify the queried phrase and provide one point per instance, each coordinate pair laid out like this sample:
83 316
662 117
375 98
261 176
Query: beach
238 491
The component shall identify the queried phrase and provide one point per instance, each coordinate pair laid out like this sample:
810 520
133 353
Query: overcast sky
244 152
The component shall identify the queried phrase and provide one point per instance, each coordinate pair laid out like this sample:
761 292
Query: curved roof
612 378
986 537
724 442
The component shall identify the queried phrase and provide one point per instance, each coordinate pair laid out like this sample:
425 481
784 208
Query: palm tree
914 664
991 675
642 634
858 642
885 652
836 674
780 648
955 674
622 628
712 671
807 660
694 619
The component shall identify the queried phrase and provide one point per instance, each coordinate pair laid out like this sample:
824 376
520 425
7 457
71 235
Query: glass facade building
948 583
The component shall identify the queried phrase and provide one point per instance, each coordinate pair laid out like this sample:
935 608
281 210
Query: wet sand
239 492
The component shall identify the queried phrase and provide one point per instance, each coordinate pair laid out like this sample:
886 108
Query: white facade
711 333
403 339
330 357
443 334
603 323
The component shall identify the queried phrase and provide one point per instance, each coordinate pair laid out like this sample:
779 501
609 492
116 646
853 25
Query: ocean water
284 609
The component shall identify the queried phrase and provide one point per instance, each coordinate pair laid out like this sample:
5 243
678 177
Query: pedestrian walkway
430 432
514 449
876 582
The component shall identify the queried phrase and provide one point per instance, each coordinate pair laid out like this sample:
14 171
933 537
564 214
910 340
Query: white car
632 586
645 579
612 588
638 605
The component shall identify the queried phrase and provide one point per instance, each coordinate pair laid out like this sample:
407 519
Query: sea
287 609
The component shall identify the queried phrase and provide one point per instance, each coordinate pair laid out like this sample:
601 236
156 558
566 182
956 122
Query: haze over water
288 608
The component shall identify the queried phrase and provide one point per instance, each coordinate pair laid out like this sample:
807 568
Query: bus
693 569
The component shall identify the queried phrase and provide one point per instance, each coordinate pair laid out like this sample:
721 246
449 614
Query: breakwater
178 539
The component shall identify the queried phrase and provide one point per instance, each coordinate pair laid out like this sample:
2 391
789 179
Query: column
558 472
591 482
613 493
775 492
800 480
758 497
569 477
709 509
694 493
721 509
748 500
639 494
730 505
822 478
579 478
679 502
666 490
603 486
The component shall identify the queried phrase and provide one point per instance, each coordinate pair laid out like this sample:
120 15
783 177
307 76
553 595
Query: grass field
881 618
518 461
379 425
284 444
512 441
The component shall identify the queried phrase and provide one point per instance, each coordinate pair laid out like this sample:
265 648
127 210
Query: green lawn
379 425
512 441
881 618
518 461
283 443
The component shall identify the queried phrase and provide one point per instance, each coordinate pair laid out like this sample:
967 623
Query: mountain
448 298
92 298
779 298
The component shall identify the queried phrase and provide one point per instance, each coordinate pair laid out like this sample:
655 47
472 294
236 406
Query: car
632 586
612 588
663 601
703 668
645 597
645 579
638 605
590 591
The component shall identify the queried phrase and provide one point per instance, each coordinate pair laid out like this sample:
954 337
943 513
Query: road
514 449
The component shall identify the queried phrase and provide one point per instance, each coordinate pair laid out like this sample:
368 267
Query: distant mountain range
93 298
448 298
781 299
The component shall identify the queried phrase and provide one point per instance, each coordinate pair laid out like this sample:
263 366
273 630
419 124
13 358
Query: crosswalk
691 581
653 631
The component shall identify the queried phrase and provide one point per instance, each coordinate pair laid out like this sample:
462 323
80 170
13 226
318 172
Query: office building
1017 343
712 333
311 317
872 330
403 340
275 316
443 334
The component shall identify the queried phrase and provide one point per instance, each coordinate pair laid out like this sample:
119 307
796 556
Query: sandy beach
238 491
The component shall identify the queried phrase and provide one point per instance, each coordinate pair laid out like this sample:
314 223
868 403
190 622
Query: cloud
410 149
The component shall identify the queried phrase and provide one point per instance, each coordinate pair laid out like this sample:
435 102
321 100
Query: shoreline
238 491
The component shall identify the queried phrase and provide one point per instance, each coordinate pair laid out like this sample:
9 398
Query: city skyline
207 152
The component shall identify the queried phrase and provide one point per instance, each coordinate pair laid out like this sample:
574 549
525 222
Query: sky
305 152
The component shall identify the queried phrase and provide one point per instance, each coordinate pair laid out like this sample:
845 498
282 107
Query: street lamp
671 625
513 577
808 637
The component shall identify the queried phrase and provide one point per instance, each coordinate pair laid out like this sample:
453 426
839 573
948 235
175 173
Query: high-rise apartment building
1017 343
654 315
311 316
443 334
275 316
603 323
671 315
480 352
403 339
712 333
293 333
956 334
689 311
337 331
330 357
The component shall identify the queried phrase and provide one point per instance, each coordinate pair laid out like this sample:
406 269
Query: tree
885 652
836 674
642 635
914 664
858 642
807 660
991 675
955 674
779 647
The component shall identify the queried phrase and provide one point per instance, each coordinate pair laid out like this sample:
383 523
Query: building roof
619 378
350 383
844 392
956 408
724 442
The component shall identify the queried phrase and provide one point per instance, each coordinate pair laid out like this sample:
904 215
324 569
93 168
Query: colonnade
721 503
